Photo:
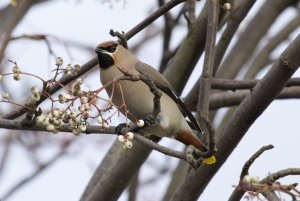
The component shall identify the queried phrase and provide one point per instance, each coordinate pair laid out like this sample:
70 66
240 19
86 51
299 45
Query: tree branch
238 193
228 99
249 39
188 54
225 84
38 171
236 17
248 111
206 76
247 165
93 62
263 58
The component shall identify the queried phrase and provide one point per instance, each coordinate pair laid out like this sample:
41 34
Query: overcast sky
89 23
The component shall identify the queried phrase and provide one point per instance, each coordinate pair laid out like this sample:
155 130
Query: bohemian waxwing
112 57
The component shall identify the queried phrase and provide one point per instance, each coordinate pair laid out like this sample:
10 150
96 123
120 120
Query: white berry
127 145
121 138
227 6
59 61
39 119
246 179
254 179
5 95
82 128
50 127
140 123
100 120
129 135
105 125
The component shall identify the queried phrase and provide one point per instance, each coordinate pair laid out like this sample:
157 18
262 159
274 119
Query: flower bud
5 95
35 90
16 76
16 70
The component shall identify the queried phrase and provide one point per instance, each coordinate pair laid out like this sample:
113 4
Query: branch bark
207 72
94 62
188 54
249 39
245 115
264 57
235 18
229 99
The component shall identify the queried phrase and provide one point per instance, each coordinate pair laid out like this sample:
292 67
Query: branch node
121 36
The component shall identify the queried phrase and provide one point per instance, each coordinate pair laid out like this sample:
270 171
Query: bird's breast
137 99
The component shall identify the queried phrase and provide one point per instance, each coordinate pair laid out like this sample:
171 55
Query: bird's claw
120 129
195 157
150 120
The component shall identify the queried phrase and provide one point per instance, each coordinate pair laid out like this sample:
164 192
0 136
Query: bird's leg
195 157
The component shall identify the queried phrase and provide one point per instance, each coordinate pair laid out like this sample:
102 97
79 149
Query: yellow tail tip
210 160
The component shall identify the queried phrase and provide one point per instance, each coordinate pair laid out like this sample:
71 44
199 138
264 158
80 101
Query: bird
114 59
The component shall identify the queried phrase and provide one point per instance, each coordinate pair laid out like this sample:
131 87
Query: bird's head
106 52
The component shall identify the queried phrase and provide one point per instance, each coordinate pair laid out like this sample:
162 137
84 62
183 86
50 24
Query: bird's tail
189 138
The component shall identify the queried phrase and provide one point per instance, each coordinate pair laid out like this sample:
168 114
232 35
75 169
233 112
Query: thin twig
93 62
247 165
39 170
264 57
159 148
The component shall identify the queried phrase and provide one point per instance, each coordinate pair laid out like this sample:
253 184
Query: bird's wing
163 84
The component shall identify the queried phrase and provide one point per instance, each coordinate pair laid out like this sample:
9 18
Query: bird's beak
98 50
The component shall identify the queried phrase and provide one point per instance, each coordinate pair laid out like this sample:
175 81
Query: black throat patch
105 60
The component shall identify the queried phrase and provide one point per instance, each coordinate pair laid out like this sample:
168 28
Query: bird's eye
112 48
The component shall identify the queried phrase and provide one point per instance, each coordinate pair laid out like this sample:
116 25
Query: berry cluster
126 140
73 108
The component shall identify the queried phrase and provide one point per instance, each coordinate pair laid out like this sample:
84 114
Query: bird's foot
121 129
190 158
195 157
150 120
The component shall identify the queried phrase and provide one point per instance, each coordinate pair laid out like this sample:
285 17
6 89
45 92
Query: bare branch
263 58
188 54
236 17
225 84
248 111
159 148
268 186
228 99
247 165
93 62
207 72
10 17
38 171
249 39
